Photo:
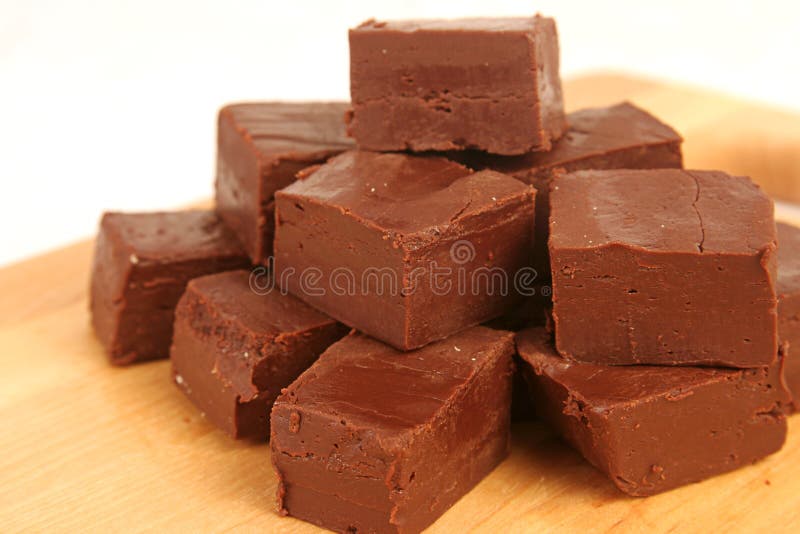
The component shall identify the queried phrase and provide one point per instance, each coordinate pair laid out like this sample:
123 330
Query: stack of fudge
380 277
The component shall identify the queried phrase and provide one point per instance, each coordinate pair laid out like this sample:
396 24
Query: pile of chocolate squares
355 294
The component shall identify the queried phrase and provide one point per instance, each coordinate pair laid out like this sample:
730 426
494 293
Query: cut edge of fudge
234 349
261 146
677 222
445 105
615 424
789 306
142 262
389 481
458 214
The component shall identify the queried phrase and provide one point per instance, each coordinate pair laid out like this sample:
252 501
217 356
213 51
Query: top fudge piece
622 136
261 147
654 428
665 266
486 84
407 249
373 440
789 303
141 266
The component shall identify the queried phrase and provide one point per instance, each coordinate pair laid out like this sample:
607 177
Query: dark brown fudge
261 147
622 136
663 266
234 349
142 262
406 249
486 84
654 428
789 305
370 439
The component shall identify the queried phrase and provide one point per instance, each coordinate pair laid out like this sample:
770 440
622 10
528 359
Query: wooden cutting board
88 447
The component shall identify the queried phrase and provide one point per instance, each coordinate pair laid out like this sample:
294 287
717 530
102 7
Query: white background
111 105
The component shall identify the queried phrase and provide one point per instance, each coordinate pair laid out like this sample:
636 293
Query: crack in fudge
486 84
407 249
142 262
234 349
663 266
789 304
622 136
370 439
261 146
654 428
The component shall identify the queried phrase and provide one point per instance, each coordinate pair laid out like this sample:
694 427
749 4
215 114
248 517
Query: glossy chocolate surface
622 136
654 266
654 428
486 84
370 439
142 263
234 349
407 249
261 146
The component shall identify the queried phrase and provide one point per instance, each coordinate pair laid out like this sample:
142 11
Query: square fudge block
235 348
407 249
789 305
486 84
622 136
664 266
654 428
260 148
370 439
142 262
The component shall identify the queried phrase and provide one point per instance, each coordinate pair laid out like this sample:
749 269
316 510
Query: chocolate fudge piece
261 147
654 428
142 262
404 248
616 137
487 84
234 349
373 440
789 305
663 266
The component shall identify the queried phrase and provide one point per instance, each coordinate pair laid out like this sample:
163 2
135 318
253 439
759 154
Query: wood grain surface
85 447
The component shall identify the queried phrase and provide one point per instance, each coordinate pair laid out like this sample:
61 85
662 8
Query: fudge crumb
294 422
